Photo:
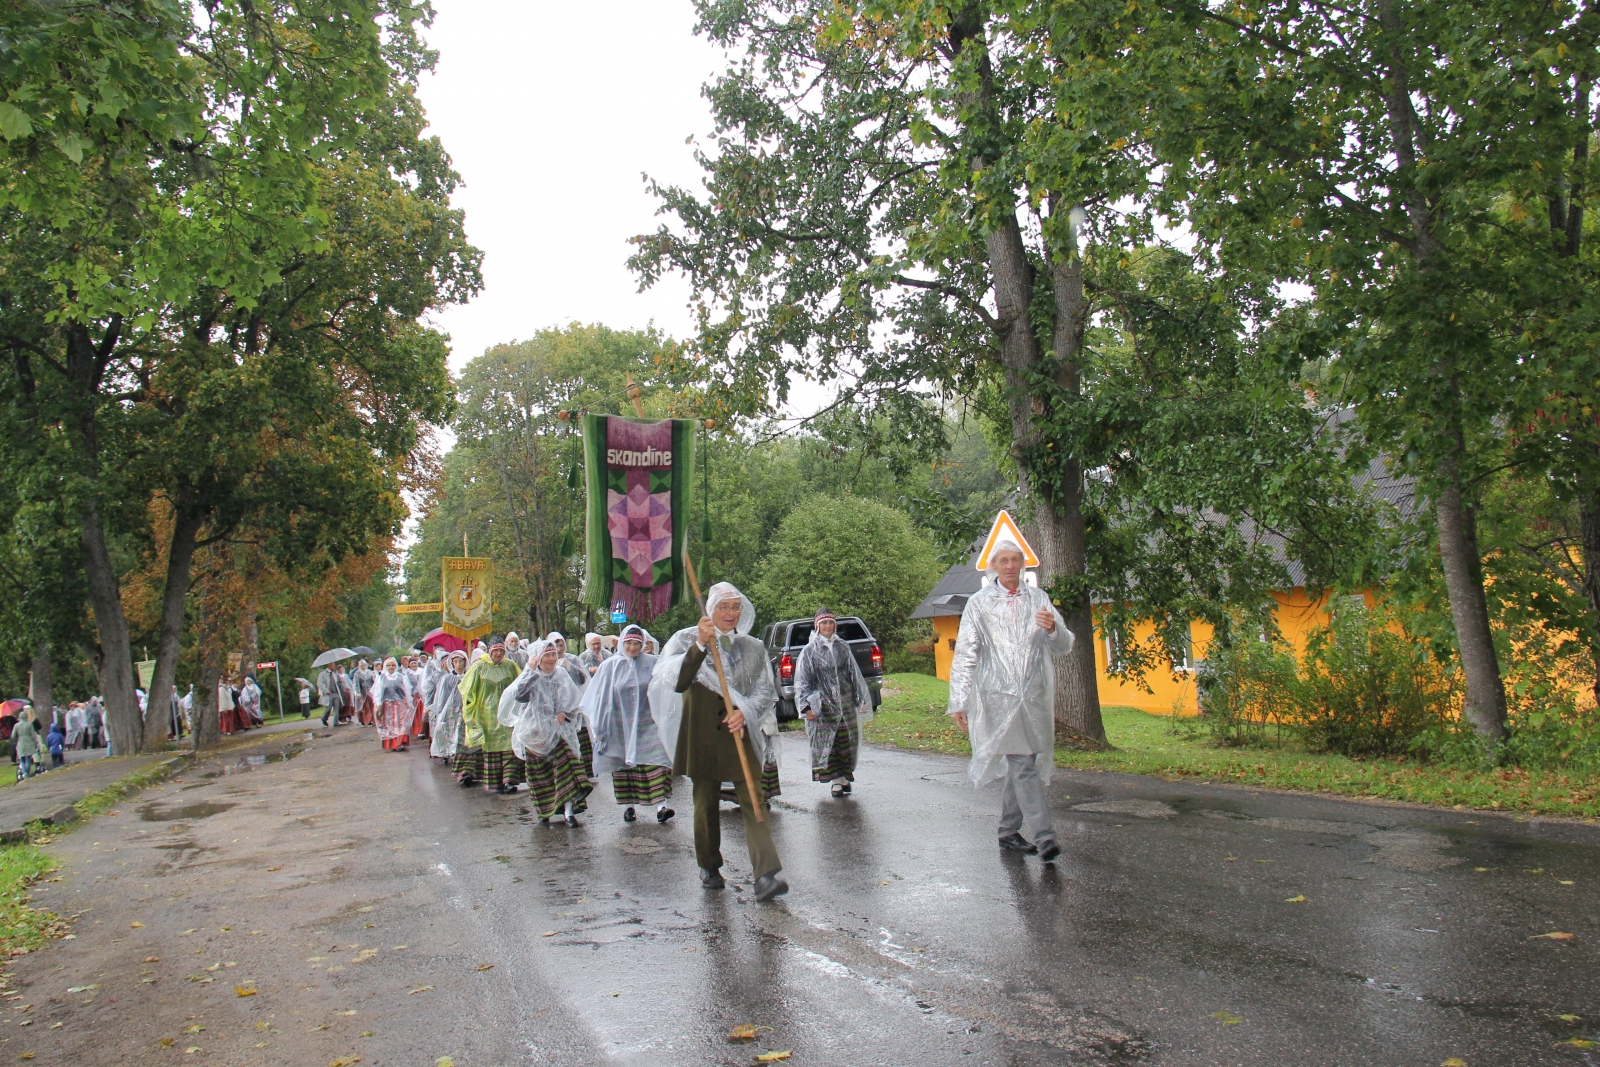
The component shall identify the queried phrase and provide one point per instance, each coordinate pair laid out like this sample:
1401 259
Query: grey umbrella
333 655
363 650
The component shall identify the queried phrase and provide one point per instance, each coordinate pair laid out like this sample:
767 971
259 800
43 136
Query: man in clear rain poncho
541 709
627 744
833 696
1002 692
686 702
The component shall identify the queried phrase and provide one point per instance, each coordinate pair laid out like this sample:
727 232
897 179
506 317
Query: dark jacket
705 747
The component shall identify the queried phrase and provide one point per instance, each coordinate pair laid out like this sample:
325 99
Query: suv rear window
849 629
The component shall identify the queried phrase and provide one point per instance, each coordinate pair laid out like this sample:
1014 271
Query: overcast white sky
551 111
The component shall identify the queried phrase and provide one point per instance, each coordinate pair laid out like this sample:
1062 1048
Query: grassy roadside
913 716
23 929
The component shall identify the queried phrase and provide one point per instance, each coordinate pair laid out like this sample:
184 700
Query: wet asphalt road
1172 930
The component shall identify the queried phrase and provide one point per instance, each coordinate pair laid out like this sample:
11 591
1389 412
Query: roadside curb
62 815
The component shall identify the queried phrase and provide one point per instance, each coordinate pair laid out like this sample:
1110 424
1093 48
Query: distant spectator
57 740
25 742
305 700
94 722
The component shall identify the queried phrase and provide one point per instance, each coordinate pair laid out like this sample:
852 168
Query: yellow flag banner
468 585
147 673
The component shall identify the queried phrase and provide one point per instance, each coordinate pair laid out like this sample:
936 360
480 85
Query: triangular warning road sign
1006 528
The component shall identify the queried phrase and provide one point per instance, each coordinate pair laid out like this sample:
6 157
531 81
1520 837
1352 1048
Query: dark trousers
708 828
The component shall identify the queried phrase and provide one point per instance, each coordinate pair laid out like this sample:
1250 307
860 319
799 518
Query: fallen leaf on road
366 1033
25 1056
193 1029
152 959
243 992
136 924
26 1022
324 1026
746 1032
215 966
885 883
1296 900
419 989
344 1061
1570 1018
226 929
191 1050
1226 1018
279 868
168 1042
1554 935
262 1025
1480 870
1564 881
364 954
485 966
1578 1042
369 907
774 1057
399 948
1534 870
82 988
189 931
1454 1061
350 1012
444 1061
548 933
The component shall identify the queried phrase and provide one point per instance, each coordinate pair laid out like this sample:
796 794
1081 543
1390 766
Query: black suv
784 640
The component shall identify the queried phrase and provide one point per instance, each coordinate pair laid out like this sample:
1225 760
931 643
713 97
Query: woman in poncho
833 696
627 744
541 710
594 653
580 677
446 709
485 754
391 688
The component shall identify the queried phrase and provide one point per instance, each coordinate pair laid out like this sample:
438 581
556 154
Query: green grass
23 929
913 717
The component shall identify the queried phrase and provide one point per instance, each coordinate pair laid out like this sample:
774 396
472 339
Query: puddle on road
250 763
153 813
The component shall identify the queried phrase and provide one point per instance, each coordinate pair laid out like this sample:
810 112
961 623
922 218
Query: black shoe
628 815
1050 851
847 788
544 820
769 886
572 820
664 814
711 878
1015 842
324 720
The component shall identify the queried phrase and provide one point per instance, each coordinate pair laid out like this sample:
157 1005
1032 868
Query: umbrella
333 655
12 706
363 650
307 682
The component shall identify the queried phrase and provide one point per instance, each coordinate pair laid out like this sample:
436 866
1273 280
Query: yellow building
1163 692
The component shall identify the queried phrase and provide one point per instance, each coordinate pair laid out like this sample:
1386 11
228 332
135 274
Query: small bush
1365 688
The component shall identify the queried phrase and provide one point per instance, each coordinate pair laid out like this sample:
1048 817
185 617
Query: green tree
853 555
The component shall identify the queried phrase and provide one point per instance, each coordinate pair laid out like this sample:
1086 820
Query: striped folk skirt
642 785
555 780
490 769
834 758
586 747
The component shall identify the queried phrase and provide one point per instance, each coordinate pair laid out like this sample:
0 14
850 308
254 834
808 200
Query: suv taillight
786 667
877 657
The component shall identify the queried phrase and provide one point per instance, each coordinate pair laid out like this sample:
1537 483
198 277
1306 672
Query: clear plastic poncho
828 682
444 718
750 681
533 705
1003 676
617 704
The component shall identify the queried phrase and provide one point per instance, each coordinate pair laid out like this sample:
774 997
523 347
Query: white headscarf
724 591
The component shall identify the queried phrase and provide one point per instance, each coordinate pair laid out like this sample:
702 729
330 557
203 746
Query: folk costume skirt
641 785
555 780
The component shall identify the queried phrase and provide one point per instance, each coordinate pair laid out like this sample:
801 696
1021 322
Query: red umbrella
12 706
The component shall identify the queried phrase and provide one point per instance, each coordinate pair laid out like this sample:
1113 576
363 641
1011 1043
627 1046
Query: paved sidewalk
49 797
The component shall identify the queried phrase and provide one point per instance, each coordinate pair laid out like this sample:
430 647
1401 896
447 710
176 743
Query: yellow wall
1297 615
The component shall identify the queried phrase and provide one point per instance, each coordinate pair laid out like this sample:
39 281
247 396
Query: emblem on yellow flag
468 584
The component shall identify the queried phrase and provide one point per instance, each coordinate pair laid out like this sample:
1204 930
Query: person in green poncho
486 756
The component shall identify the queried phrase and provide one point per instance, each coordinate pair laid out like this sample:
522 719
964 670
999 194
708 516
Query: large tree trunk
114 659
1485 703
158 708
1063 544
211 634
1058 525
42 689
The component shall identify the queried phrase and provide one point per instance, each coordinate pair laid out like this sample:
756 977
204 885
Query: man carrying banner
833 696
486 755
704 742
627 744
1002 691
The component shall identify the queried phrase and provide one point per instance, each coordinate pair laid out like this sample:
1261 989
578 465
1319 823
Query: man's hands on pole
706 634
